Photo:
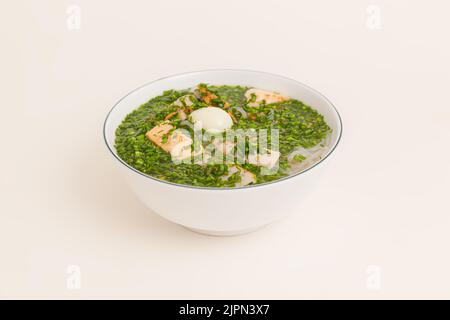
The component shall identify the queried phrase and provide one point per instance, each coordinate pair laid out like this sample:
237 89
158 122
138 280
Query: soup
222 136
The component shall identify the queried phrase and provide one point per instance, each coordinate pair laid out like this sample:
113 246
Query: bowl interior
256 79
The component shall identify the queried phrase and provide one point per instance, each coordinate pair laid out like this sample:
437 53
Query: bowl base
224 233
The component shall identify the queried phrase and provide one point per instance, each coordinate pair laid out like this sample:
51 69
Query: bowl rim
262 185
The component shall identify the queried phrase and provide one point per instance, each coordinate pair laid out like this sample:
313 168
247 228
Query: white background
383 202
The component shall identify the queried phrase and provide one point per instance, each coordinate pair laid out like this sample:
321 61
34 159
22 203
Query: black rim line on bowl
225 188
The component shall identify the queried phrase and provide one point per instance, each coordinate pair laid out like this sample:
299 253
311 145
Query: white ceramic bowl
227 211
